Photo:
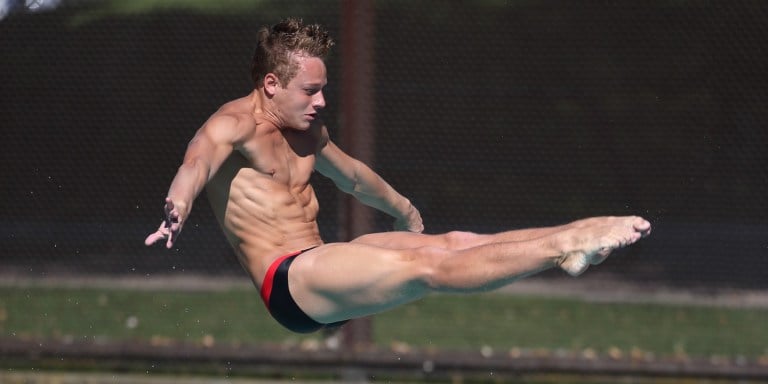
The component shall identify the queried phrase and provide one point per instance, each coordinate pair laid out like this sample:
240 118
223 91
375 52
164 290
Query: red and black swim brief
280 303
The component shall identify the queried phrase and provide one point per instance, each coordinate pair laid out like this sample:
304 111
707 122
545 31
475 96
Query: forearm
354 177
378 194
370 189
187 184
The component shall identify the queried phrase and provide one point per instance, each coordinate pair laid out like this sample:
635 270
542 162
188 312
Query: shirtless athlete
255 156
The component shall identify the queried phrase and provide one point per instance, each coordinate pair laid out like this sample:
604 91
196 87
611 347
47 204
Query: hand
412 223
170 227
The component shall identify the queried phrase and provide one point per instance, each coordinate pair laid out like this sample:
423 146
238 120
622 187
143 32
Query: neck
261 106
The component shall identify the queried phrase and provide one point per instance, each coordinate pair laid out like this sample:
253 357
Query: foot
590 241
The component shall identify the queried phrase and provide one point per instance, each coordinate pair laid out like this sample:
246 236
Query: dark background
489 115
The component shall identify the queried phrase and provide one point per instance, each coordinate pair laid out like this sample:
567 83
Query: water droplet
132 322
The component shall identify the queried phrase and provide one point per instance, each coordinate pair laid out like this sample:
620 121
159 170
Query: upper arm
333 163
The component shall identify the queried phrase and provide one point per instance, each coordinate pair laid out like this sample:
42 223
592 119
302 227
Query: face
298 102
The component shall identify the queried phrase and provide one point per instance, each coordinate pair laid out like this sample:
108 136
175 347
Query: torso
261 194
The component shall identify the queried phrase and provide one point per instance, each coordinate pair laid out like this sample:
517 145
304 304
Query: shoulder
320 132
228 127
232 122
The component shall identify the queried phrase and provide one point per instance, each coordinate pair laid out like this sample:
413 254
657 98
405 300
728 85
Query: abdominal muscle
263 219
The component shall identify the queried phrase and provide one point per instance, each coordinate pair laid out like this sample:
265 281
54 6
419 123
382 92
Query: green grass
503 322
498 321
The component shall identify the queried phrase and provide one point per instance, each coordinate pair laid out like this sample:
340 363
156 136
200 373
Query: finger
171 238
174 217
172 220
161 233
169 203
153 238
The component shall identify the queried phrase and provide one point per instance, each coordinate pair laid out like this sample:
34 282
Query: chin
303 125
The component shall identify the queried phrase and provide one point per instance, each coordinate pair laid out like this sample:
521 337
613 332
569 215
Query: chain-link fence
489 115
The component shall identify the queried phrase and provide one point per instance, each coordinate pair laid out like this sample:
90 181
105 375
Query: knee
364 239
433 270
461 239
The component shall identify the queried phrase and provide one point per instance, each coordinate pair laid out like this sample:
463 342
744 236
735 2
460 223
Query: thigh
400 240
340 281
454 240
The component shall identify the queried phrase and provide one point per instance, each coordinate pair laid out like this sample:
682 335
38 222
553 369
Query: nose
318 101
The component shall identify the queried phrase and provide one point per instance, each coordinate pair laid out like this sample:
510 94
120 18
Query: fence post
357 131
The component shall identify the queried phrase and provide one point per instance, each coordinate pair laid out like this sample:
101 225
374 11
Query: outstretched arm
352 176
205 153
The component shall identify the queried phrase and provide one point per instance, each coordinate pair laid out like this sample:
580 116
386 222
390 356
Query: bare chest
286 163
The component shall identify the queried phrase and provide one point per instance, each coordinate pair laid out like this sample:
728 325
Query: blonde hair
277 47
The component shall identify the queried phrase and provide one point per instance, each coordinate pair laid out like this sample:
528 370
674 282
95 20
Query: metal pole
357 130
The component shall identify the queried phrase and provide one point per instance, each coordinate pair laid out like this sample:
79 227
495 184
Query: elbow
350 185
346 186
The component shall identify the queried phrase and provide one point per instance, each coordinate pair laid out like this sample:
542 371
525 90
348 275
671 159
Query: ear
271 83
